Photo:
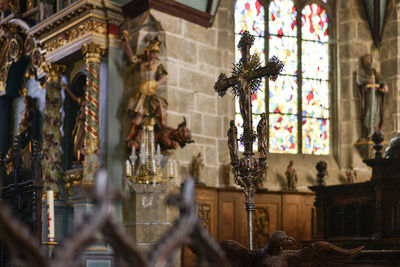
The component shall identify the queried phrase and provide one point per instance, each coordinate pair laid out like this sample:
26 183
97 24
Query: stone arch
16 48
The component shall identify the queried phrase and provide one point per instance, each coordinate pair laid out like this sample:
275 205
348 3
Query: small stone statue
197 167
291 176
232 142
351 175
262 136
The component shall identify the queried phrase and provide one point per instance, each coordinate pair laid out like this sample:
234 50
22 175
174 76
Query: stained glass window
297 103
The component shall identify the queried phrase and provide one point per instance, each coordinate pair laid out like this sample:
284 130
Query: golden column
52 154
93 54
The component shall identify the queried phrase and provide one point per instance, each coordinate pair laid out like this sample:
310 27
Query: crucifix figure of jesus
245 81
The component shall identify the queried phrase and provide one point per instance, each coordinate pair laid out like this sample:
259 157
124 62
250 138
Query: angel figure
79 129
145 101
262 136
232 142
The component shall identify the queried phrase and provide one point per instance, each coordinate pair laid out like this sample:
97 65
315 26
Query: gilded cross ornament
245 81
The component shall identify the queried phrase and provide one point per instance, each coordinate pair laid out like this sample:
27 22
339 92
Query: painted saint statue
78 132
372 88
145 101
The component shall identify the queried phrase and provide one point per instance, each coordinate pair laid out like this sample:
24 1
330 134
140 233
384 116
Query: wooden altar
223 213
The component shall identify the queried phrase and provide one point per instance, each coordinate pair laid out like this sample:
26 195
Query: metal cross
245 81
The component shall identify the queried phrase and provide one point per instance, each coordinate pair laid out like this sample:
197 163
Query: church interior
150 132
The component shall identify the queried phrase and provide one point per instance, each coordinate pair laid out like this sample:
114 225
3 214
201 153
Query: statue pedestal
146 215
365 148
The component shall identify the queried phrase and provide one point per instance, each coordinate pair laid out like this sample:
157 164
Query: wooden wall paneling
231 224
267 218
290 215
308 224
297 211
207 209
227 221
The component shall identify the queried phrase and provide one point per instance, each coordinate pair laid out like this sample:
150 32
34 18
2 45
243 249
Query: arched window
297 103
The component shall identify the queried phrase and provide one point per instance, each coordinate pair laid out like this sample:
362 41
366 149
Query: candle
171 169
153 166
50 216
128 168
158 155
133 155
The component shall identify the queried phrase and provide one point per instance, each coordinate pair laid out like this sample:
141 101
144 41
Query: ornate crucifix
245 81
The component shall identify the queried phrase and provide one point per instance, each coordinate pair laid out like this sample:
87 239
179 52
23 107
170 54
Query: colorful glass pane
282 18
283 95
314 22
315 136
258 102
315 99
258 47
249 15
282 133
315 60
285 48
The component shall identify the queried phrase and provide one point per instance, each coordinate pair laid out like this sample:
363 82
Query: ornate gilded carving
90 26
11 49
63 17
73 179
53 72
51 126
93 53
15 48
29 45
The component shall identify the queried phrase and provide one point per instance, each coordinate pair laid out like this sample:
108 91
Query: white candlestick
128 168
50 216
158 155
171 169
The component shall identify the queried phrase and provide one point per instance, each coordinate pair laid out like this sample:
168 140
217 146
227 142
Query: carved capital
93 52
53 72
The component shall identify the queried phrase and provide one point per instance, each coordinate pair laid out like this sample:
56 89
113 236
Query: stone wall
355 40
194 58
390 62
